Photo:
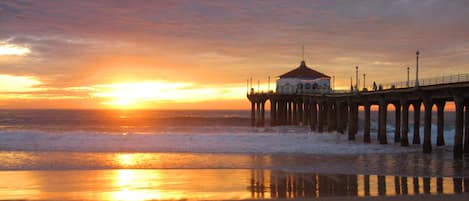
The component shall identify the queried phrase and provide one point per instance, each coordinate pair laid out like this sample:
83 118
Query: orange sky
198 54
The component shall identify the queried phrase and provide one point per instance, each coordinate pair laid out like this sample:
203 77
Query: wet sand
217 184
203 176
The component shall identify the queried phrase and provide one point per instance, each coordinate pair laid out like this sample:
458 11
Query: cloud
211 43
17 83
8 49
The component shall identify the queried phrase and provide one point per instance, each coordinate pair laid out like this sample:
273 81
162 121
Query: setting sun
144 94
133 95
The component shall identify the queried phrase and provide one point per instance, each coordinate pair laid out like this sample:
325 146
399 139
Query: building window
300 86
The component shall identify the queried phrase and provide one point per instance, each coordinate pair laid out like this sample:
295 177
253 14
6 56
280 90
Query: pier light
364 81
356 78
408 76
417 69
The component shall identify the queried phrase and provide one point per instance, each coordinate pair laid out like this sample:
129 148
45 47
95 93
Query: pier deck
339 112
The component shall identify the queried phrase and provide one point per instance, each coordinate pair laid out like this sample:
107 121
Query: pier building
303 80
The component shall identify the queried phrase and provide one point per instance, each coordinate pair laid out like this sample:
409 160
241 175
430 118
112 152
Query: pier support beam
397 122
280 113
258 113
295 113
340 117
314 116
416 139
306 112
273 112
466 129
332 118
382 123
367 124
405 123
353 120
427 129
458 135
289 112
440 139
321 116
300 109
253 114
262 122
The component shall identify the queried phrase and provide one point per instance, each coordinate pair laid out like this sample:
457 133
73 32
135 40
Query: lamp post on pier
417 69
364 81
408 77
356 78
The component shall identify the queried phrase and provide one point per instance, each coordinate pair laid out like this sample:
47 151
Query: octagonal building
303 80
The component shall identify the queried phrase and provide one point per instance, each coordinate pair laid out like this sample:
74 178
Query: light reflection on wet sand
175 176
125 184
211 184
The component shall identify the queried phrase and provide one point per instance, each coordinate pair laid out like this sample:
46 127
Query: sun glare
126 159
140 94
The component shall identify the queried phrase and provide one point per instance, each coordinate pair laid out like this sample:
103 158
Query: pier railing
397 85
427 81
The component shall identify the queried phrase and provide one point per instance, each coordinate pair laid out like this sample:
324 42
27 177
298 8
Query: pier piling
339 112
427 140
382 123
440 139
405 123
416 138
367 124
397 122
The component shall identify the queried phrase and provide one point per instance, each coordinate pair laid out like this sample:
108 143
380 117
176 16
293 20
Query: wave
283 139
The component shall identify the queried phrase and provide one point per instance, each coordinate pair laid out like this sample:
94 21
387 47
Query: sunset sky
198 54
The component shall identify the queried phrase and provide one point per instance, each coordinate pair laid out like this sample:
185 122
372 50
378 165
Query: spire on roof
303 64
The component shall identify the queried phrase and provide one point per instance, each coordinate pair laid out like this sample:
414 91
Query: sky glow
198 54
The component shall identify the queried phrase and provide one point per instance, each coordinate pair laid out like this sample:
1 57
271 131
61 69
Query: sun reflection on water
134 186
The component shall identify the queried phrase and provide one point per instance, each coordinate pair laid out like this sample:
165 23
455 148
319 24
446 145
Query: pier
337 111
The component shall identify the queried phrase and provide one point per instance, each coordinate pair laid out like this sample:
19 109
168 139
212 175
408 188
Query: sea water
149 154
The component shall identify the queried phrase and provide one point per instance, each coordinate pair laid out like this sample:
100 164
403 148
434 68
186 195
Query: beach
117 160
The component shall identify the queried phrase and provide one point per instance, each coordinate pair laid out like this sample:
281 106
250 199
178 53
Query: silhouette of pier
339 110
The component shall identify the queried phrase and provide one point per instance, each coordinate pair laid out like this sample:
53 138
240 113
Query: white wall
301 86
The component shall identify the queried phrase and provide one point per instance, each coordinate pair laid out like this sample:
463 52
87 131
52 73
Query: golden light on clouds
14 83
7 49
138 94
125 95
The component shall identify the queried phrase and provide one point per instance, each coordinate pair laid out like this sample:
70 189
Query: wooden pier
339 112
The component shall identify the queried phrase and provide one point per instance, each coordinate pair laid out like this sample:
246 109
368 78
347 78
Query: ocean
208 155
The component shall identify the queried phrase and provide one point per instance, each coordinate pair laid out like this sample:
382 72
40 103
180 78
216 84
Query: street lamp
356 78
364 81
408 77
417 69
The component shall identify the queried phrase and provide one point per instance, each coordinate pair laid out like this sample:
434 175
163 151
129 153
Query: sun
149 94
138 94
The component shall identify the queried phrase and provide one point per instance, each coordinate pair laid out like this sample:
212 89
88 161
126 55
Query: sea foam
283 139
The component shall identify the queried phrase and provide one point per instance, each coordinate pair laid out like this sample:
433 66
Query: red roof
304 71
